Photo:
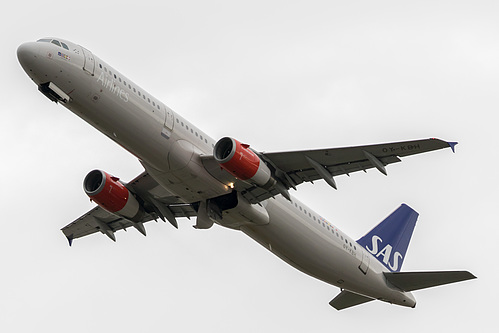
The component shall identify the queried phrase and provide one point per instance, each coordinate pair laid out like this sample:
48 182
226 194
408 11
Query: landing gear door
89 61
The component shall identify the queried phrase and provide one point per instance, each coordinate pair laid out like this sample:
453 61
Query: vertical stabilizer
388 241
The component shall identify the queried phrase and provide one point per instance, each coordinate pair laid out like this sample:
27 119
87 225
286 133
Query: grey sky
279 75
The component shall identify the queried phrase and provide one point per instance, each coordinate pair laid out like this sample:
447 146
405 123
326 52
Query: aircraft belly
297 242
294 240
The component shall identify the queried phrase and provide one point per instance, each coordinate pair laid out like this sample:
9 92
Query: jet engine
240 161
109 193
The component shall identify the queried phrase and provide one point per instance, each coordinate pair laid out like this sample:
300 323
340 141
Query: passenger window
56 42
65 46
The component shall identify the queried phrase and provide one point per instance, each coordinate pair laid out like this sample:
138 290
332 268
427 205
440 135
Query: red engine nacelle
112 195
242 162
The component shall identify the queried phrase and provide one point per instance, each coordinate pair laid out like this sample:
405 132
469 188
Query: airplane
187 174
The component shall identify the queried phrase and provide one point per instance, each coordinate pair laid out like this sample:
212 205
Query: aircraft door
169 118
88 62
168 124
364 264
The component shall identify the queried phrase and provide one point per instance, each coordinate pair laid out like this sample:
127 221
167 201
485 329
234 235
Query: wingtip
452 146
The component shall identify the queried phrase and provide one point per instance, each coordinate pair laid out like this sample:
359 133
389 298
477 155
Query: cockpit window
55 42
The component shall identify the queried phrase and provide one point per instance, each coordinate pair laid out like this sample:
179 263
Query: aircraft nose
27 55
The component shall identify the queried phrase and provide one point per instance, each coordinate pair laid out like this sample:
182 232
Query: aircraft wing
295 167
157 202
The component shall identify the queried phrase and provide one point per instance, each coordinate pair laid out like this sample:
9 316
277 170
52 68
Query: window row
326 225
198 135
131 88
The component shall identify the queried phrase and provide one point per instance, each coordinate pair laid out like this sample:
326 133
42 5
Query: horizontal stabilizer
347 299
409 281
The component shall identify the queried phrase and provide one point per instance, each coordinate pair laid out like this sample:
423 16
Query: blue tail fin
388 241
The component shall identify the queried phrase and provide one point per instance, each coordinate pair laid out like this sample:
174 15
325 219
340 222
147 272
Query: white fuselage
169 147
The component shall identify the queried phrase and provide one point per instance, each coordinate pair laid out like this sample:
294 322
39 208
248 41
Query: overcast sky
279 75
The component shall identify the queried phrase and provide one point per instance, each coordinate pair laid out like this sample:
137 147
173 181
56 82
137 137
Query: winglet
452 146
70 239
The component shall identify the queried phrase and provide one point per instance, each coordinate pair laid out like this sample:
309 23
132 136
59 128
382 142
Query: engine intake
240 161
112 195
